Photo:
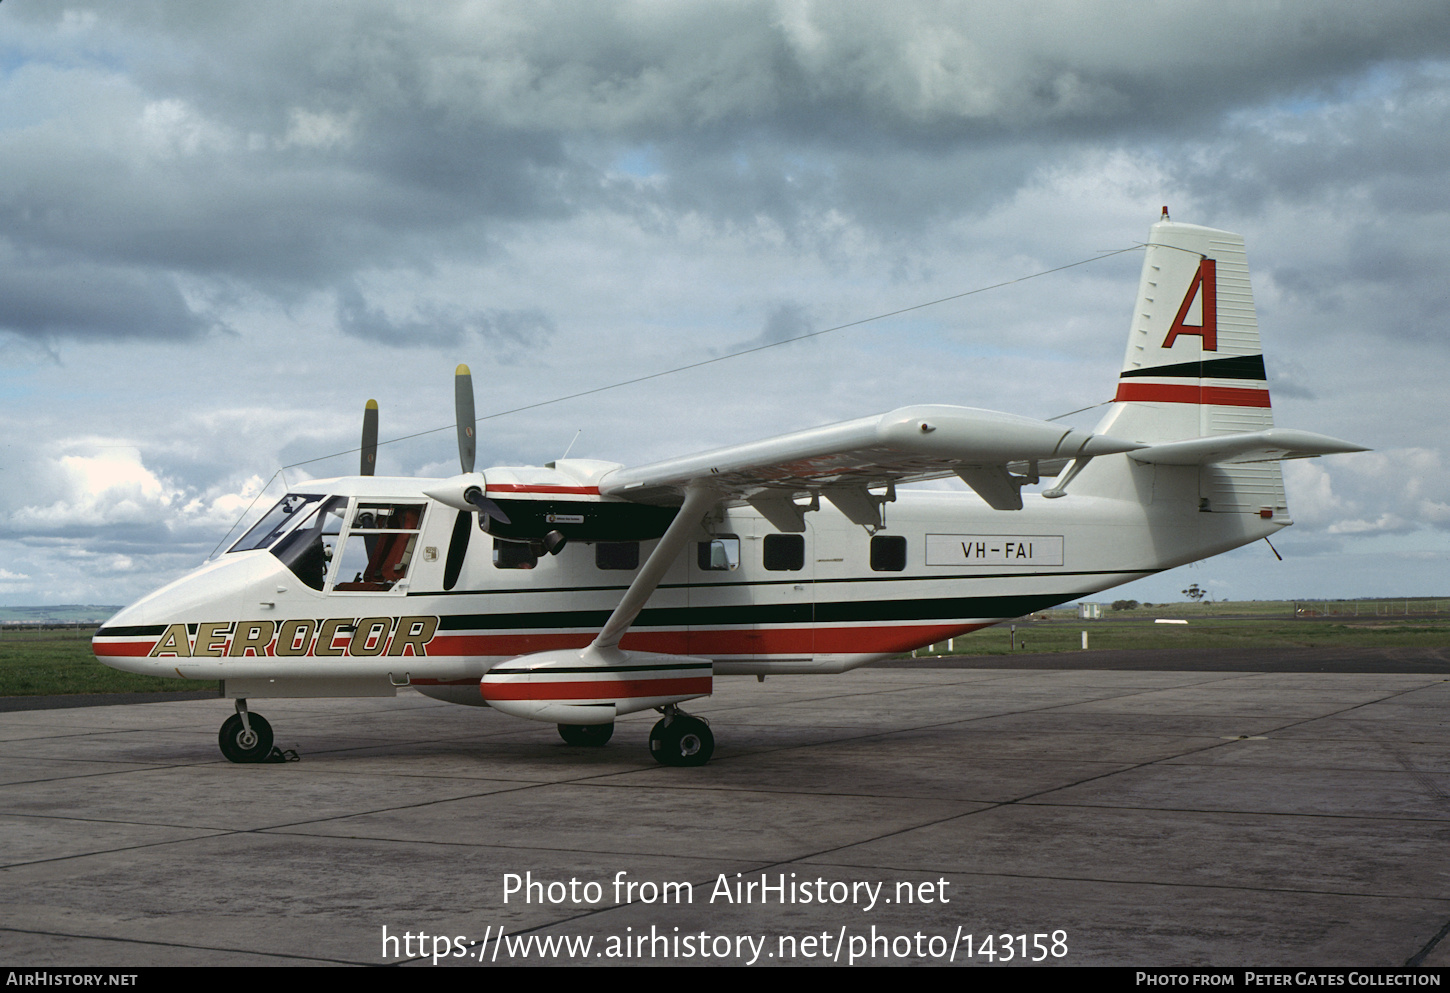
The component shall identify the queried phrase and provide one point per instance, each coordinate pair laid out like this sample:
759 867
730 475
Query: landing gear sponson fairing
579 591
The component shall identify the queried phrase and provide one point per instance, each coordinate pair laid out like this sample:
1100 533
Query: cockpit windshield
289 510
308 550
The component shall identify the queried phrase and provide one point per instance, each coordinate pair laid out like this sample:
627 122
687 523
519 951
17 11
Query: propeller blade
467 420
486 506
370 438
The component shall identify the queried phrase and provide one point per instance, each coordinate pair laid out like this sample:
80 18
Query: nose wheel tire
586 735
681 741
240 745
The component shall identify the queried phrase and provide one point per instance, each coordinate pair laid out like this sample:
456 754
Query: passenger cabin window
785 552
720 554
379 548
888 553
616 555
514 554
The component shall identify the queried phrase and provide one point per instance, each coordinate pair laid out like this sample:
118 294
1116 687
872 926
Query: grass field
54 662
1215 632
1264 624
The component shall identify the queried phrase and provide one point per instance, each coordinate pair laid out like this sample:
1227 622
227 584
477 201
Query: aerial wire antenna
242 516
734 355
689 366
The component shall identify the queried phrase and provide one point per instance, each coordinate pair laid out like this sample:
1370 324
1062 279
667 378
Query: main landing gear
677 739
586 735
681 740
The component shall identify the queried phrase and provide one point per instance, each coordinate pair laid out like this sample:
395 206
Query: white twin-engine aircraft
595 590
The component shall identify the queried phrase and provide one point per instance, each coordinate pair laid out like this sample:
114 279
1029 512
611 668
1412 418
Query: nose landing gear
247 737
681 740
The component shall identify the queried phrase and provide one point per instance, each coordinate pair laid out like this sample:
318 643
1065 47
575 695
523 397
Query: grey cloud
912 68
290 146
83 300
438 325
786 320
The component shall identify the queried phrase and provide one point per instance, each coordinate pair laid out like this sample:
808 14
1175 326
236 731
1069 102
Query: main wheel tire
586 735
681 741
239 745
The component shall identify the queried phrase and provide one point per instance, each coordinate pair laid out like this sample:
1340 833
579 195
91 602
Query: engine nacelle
593 686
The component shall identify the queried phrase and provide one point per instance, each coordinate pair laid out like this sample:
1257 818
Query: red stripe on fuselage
797 642
122 649
594 689
531 488
1218 396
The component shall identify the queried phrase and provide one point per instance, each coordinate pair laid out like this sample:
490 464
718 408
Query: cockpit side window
379 547
289 510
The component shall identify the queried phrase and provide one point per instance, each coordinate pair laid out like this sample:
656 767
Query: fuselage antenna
571 444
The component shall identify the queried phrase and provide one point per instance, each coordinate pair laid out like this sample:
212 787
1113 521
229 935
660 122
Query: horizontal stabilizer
1255 446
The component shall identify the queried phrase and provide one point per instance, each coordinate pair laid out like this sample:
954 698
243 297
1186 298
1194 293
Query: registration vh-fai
580 591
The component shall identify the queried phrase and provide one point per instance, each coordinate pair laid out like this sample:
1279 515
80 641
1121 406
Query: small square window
513 554
720 554
785 552
617 555
888 553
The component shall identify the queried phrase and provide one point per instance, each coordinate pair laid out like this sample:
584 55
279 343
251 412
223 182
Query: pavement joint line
1026 799
580 916
1372 818
1419 909
1089 779
176 944
596 911
213 833
1209 679
1210 746
1413 962
1168 884
103 772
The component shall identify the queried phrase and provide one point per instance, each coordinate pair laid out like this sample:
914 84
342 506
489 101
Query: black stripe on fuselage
795 579
824 612
1233 367
851 611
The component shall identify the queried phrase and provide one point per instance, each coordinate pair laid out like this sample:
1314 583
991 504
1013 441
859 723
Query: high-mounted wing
842 461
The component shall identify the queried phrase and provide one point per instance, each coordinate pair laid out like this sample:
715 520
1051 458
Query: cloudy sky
226 226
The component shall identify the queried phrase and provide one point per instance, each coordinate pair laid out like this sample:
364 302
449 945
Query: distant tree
1125 604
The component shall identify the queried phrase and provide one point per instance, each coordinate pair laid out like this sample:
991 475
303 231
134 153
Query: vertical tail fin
1194 366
